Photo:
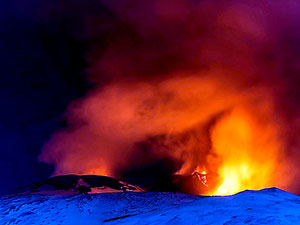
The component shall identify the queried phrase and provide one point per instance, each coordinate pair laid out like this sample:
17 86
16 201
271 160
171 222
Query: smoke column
207 84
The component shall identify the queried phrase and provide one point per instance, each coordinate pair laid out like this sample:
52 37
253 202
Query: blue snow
268 206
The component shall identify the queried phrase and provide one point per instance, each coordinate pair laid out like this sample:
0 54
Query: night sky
42 70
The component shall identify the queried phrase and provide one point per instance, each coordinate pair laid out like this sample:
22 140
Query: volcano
91 184
150 112
73 184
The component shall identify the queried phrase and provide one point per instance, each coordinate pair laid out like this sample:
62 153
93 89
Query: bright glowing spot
243 147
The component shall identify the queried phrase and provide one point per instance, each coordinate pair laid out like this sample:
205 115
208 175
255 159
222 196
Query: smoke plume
209 85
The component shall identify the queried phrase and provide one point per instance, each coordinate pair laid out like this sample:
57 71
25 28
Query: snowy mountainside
268 206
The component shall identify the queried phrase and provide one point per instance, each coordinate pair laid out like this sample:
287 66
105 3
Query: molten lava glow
203 172
233 178
248 153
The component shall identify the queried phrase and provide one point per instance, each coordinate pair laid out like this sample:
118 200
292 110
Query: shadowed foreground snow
268 206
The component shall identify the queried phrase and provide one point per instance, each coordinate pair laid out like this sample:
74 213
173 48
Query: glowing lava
202 176
248 153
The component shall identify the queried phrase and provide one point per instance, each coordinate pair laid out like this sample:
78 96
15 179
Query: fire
200 170
203 172
244 154
249 153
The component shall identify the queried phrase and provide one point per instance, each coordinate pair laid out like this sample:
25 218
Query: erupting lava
244 152
249 153
202 177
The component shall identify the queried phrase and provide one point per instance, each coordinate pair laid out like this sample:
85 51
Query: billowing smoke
208 85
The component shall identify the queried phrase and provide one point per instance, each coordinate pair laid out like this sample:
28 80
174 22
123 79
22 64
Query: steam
182 76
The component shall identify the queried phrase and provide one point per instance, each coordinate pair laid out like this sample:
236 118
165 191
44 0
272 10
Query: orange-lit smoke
200 78
245 145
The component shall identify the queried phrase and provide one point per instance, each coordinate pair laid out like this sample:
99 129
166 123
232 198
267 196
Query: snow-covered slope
268 206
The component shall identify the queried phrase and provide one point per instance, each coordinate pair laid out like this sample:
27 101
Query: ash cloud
163 68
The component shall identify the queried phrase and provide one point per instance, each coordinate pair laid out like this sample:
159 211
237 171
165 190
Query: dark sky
42 70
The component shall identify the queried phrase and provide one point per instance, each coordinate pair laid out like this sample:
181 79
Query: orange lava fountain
248 152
